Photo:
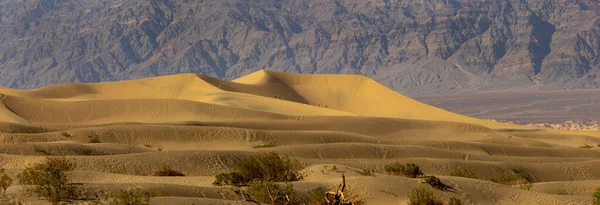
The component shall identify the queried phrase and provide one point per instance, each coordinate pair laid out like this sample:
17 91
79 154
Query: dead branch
338 195
246 197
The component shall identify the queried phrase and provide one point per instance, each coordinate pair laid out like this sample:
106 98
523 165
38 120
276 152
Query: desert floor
528 106
201 126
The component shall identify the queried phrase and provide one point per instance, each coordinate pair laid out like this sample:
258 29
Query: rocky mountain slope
413 46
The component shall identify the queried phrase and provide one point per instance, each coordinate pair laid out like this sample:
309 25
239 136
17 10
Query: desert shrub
132 197
49 179
454 201
367 172
423 196
597 196
231 178
166 170
317 196
515 179
265 145
587 146
5 181
395 168
525 185
598 145
410 170
61 163
272 193
353 195
66 135
435 183
264 167
465 172
41 150
94 139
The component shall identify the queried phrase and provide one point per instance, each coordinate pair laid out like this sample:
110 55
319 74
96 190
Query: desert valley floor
201 126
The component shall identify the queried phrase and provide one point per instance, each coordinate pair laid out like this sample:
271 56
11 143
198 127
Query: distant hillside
412 46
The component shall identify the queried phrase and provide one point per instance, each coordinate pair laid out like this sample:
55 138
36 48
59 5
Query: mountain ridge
415 47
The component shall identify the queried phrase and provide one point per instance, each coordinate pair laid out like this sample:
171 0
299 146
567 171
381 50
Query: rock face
413 46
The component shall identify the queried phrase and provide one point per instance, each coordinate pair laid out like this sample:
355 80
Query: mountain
412 46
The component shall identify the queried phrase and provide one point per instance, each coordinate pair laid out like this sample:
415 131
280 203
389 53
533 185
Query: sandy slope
201 126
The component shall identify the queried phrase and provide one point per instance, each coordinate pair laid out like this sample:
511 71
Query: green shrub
166 170
455 201
465 172
132 197
317 196
597 196
587 146
435 183
410 170
272 193
422 196
5 181
49 179
264 167
395 168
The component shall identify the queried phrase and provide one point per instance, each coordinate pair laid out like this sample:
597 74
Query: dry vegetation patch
465 172
132 197
515 178
166 170
263 167
409 170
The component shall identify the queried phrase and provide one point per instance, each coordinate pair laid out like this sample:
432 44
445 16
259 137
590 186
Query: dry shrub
351 194
94 140
5 181
263 167
264 145
409 170
132 197
166 170
66 135
273 193
466 172
423 196
455 201
367 172
436 183
515 178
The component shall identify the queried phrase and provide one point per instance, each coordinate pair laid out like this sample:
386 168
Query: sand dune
202 126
